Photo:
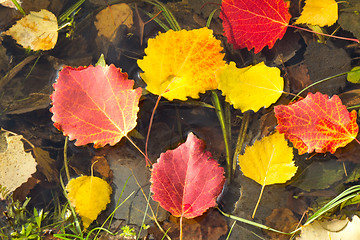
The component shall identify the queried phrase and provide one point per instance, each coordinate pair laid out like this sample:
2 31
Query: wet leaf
350 17
94 104
37 31
16 165
268 161
354 75
317 123
254 24
319 12
46 164
252 87
89 195
111 17
282 219
331 229
186 181
9 3
184 69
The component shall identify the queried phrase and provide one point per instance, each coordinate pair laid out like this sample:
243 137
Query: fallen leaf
16 165
89 195
46 165
349 17
317 123
184 69
331 229
94 104
282 219
299 77
268 161
37 31
354 75
111 17
9 3
254 24
186 181
319 12
252 87
102 166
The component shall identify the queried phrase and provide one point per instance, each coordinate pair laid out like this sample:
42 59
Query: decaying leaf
318 123
37 31
332 229
89 195
254 24
95 104
186 180
16 166
9 3
319 12
111 17
252 87
46 164
181 64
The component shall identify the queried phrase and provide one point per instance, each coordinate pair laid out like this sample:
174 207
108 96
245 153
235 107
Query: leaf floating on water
319 12
252 87
186 181
317 123
95 104
254 24
16 165
181 64
37 31
89 195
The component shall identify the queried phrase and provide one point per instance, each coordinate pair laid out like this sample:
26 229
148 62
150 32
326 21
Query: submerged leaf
319 12
89 195
37 31
252 87
181 64
186 181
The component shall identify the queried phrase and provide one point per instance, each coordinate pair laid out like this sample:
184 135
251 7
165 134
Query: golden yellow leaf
89 196
110 18
268 161
252 87
319 12
181 64
37 31
16 165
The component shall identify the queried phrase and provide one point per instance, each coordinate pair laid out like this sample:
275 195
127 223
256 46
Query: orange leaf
94 104
317 123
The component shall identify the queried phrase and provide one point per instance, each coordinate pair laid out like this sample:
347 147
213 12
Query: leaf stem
148 162
221 117
258 201
65 159
324 34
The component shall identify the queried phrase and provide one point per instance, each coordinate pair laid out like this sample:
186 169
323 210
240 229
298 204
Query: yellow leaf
252 87
181 64
268 161
37 31
319 12
89 196
16 165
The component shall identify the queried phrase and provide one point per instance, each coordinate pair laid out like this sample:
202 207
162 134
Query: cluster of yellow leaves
319 12
252 87
181 64
268 161
37 31
89 195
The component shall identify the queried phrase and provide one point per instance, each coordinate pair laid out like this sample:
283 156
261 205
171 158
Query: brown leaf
298 77
46 164
102 166
281 219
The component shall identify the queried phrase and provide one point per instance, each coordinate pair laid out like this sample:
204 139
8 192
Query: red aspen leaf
94 104
254 23
318 123
186 180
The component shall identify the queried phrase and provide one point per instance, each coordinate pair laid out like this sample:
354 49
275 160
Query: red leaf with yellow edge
318 123
94 104
254 23
186 181
181 64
